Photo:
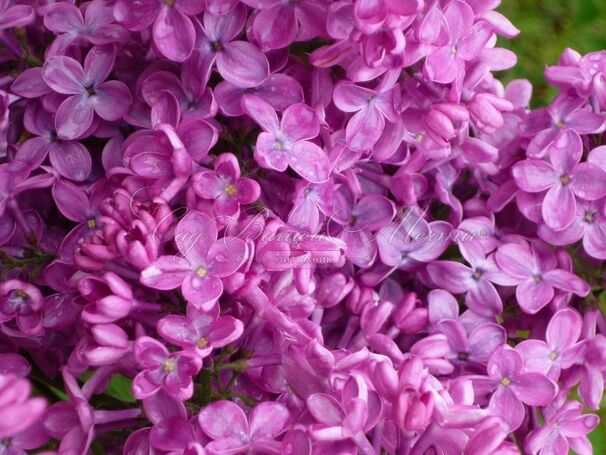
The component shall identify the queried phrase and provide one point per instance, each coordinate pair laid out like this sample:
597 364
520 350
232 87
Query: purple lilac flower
87 89
513 387
23 303
232 431
564 179
566 116
95 26
225 186
287 143
476 281
173 30
15 15
171 372
202 262
536 275
69 158
564 429
200 332
561 348
18 410
238 62
371 110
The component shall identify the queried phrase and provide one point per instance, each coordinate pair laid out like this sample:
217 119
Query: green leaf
120 388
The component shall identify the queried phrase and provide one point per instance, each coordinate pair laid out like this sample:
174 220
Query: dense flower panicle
299 227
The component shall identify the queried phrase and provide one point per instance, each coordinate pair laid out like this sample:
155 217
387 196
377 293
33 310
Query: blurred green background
548 27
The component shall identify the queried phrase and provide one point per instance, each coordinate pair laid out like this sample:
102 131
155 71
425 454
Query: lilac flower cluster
297 227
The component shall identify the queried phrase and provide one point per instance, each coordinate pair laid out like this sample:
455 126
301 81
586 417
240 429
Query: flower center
91 223
553 355
217 46
419 137
5 442
537 278
589 216
463 356
21 293
505 381
202 343
90 90
453 50
477 274
169 365
565 179
231 189
170 3
201 272
278 145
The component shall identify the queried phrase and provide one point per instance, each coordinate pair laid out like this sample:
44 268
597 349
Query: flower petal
111 100
223 419
74 117
242 64
70 159
174 34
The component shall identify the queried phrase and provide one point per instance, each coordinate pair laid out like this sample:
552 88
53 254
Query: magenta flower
279 90
311 203
588 225
566 116
349 419
200 332
225 186
355 223
232 432
371 109
202 262
475 347
15 15
88 92
564 178
96 27
513 387
536 276
78 206
476 282
110 298
238 62
465 40
69 158
194 98
17 409
73 421
173 32
286 143
591 386
561 348
170 371
565 429
280 23
409 242
23 303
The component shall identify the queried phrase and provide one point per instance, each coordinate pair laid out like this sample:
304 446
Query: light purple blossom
202 262
536 275
287 142
173 30
88 91
564 178
226 187
171 372
232 431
